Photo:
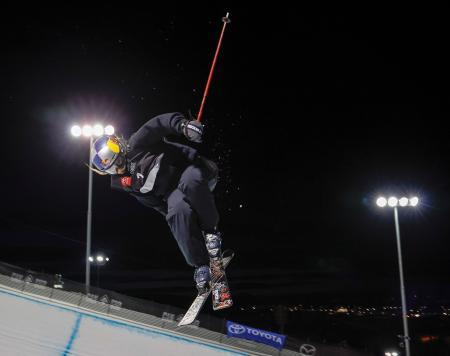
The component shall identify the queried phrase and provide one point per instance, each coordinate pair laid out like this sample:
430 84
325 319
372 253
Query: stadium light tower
98 260
89 131
393 202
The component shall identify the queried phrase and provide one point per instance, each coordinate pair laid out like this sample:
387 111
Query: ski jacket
154 163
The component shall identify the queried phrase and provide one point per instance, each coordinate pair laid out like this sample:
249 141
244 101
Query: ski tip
228 253
185 322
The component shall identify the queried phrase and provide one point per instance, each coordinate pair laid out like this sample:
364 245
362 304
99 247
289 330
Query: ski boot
214 245
221 296
202 278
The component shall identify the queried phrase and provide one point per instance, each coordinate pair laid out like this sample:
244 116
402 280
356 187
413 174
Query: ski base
221 296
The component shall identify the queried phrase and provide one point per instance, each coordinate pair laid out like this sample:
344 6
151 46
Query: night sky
310 117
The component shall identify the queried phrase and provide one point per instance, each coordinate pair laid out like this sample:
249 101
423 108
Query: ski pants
191 210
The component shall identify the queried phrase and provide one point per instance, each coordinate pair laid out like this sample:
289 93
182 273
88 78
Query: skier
171 178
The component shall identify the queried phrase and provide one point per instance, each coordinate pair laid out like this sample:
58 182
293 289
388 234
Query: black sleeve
149 201
154 130
152 202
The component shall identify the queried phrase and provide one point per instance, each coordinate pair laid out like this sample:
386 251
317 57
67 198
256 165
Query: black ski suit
173 179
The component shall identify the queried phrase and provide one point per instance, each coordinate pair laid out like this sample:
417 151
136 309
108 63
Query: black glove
193 130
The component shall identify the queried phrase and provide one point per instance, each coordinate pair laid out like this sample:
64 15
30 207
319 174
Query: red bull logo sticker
126 181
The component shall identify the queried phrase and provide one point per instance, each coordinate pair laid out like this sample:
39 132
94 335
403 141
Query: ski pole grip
226 19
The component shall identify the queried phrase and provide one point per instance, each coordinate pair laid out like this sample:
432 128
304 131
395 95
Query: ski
221 296
200 300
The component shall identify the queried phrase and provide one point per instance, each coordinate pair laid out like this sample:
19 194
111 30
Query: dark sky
310 117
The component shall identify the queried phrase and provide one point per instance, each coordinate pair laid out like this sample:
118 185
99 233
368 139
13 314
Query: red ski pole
225 21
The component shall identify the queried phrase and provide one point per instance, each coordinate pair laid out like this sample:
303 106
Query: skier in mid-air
171 178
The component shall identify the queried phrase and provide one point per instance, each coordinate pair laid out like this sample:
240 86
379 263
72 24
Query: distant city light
100 258
91 259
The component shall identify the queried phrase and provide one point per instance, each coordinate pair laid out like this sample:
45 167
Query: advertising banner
258 335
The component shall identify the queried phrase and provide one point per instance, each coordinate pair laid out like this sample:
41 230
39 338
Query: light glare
98 130
75 131
392 201
414 201
109 130
91 259
99 258
403 201
87 130
381 202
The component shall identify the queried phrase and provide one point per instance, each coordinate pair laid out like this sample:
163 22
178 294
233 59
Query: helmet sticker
113 145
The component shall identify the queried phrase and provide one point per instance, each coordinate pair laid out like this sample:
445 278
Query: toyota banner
258 335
